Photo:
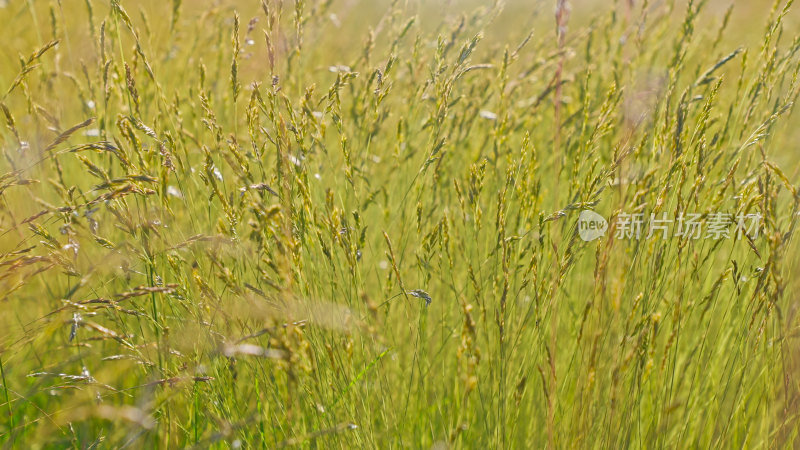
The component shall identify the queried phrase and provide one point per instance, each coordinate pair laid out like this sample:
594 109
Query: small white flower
488 115
173 191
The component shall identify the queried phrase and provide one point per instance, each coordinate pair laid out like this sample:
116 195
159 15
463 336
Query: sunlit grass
354 224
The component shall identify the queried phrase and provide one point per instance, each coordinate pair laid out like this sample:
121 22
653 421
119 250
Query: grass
355 224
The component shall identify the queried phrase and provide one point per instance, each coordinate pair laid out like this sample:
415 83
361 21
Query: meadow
363 224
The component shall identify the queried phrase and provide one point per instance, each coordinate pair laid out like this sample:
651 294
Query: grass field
357 223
